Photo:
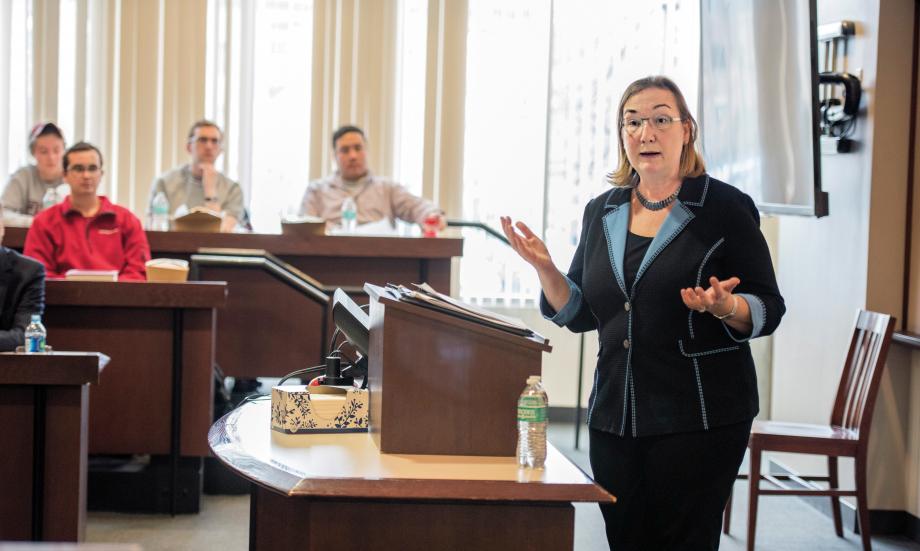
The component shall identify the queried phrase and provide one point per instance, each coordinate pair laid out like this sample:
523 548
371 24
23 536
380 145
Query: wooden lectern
444 385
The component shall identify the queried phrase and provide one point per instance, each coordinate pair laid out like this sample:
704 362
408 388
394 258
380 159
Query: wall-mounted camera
839 111
840 91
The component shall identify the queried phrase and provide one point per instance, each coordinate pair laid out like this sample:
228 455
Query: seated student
376 198
199 184
87 231
22 286
25 191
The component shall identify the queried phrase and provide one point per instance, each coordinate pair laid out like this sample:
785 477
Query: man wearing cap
22 288
199 184
87 231
24 193
376 198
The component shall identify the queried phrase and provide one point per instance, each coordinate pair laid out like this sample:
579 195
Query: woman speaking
673 272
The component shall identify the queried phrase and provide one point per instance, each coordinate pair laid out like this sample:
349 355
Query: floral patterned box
298 409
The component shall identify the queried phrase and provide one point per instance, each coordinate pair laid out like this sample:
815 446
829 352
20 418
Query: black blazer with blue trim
22 293
663 368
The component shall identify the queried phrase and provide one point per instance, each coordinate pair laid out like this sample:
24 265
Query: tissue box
298 409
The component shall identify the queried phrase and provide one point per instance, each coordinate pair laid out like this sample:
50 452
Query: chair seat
804 438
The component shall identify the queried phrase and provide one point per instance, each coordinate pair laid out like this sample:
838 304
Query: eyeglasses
83 169
633 125
206 140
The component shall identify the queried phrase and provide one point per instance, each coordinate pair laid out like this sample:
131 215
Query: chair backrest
862 372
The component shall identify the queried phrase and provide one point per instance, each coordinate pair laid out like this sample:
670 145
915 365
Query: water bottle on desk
159 212
50 198
531 416
35 335
349 215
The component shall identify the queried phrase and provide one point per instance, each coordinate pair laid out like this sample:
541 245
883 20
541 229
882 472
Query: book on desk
303 226
91 275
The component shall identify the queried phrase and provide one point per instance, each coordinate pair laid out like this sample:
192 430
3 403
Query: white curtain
132 76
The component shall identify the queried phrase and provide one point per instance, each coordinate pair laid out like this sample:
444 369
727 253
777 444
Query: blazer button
626 306
626 343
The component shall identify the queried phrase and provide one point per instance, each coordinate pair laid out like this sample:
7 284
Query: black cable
304 371
335 335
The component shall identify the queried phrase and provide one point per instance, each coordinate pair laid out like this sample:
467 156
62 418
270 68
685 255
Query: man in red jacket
87 231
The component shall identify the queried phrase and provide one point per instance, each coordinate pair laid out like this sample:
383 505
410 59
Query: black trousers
671 489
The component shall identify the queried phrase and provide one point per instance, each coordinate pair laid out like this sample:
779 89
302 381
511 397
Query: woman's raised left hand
717 299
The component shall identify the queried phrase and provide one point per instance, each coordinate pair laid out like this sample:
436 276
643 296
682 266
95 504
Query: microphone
334 375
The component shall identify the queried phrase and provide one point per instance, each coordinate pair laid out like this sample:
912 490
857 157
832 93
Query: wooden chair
847 435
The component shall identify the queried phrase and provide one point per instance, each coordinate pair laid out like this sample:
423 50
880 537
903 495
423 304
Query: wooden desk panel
354 272
45 424
283 523
133 324
338 246
16 414
267 329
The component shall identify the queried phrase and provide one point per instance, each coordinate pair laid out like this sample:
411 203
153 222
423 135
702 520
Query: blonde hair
691 161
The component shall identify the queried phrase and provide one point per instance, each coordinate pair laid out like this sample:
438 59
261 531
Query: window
505 141
526 149
67 69
16 70
267 126
412 38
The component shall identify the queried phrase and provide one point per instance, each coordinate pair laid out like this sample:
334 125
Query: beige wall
830 267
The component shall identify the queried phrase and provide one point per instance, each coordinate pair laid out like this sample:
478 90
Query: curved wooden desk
337 491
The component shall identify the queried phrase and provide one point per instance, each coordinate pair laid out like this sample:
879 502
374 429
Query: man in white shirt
376 198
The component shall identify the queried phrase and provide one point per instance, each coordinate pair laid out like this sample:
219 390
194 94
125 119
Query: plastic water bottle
349 215
50 198
531 415
159 212
35 335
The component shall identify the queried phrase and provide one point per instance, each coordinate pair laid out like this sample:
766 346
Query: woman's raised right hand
525 242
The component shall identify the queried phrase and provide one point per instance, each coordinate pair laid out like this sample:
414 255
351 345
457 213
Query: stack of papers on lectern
424 295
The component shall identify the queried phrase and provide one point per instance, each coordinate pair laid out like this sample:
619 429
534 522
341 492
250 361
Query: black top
22 293
636 245
663 368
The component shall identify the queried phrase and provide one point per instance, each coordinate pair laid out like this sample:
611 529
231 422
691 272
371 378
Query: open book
424 295
303 226
197 219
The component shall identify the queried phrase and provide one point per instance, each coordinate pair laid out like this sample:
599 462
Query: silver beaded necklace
656 205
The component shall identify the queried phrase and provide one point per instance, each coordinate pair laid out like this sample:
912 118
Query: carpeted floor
784 524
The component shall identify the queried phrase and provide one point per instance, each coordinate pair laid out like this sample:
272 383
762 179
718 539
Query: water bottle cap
36 318
533 379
